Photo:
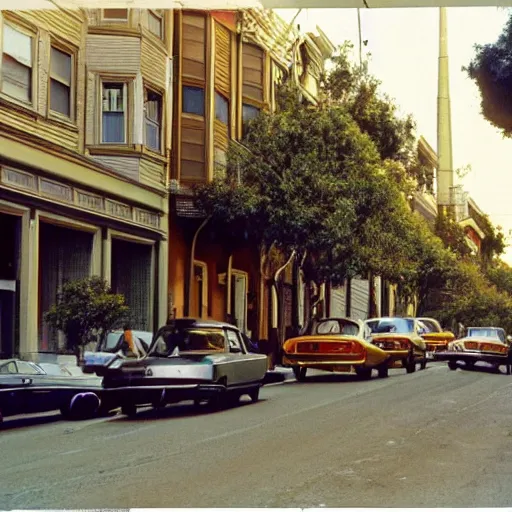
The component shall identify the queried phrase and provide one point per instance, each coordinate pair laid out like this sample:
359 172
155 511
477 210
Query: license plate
342 369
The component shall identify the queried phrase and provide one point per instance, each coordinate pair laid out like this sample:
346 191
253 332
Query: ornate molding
86 201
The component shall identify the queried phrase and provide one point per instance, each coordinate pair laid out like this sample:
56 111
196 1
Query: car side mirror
235 350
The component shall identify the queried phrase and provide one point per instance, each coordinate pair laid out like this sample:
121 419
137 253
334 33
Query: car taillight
471 345
405 344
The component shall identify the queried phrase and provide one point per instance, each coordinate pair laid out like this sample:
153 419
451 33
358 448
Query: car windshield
114 339
188 340
391 325
334 326
430 325
486 332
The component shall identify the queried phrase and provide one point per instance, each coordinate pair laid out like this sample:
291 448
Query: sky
404 47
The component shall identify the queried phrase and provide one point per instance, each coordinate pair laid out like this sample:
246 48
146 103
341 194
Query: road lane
433 438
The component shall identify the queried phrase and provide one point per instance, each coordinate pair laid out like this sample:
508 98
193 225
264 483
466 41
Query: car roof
197 322
487 327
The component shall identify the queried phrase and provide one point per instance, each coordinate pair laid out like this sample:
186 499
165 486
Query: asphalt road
435 438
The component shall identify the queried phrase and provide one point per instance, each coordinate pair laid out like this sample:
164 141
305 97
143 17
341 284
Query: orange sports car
335 345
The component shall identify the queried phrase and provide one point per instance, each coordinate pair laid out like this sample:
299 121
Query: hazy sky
404 46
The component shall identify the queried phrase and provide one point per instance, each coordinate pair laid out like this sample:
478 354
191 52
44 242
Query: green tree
376 113
83 307
452 235
491 69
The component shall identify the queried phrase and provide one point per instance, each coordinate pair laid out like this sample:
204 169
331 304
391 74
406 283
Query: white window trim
32 104
245 276
104 81
146 119
72 87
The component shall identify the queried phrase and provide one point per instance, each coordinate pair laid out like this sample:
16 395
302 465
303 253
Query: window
248 114
153 116
113 122
155 24
220 164
193 100
115 14
221 108
234 341
27 368
60 82
17 64
9 368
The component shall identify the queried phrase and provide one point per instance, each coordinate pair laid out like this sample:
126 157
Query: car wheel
129 410
1 416
364 373
383 371
255 394
423 364
410 366
300 373
452 365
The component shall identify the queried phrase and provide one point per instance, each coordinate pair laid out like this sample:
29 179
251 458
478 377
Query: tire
383 371
129 410
255 394
300 373
410 366
452 365
423 364
364 373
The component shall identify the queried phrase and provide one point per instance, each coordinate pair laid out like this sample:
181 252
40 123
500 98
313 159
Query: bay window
193 100
114 113
153 120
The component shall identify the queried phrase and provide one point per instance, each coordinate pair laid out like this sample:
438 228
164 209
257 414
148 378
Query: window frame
160 16
193 114
246 103
32 34
203 305
239 339
160 123
227 103
126 92
115 20
72 86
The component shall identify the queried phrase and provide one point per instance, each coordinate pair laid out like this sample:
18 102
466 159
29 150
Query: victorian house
228 66
85 101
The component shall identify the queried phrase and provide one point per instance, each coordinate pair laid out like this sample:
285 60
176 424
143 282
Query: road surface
435 438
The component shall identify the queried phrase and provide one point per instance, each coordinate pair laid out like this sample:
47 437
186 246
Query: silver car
189 359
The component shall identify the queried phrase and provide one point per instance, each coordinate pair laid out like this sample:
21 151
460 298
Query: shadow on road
182 411
16 422
481 369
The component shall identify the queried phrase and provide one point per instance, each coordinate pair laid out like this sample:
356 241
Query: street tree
85 307
308 181
491 69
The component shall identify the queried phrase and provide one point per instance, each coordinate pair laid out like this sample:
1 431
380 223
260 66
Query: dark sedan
26 388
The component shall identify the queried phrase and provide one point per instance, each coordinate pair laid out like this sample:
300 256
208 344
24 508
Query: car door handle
26 382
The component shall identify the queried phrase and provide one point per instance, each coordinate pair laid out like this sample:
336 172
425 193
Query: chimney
444 123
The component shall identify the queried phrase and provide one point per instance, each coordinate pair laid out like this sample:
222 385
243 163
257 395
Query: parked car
27 388
436 338
335 345
400 338
480 344
189 359
114 345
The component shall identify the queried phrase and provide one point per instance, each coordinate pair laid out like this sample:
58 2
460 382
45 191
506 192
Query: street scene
433 439
255 257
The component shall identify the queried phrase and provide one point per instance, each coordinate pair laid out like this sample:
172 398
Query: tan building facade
83 157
